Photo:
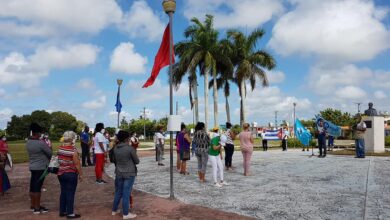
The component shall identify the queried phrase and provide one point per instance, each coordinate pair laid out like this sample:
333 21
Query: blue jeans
322 144
123 187
359 146
68 182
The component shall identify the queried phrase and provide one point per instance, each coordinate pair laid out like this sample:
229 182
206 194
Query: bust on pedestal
374 137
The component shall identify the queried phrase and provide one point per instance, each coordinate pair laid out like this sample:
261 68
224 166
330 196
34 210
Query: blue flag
118 103
331 129
303 135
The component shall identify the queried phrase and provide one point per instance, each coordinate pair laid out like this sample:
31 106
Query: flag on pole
302 134
330 128
118 103
162 58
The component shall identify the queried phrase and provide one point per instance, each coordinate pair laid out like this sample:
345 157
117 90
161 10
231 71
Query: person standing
85 156
215 157
229 148
359 130
39 157
100 152
284 139
202 141
69 173
321 138
330 143
185 153
246 143
178 161
159 141
126 161
264 141
4 181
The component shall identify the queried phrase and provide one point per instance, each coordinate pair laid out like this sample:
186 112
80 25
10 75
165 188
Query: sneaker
217 185
161 164
99 182
103 181
116 212
73 216
43 209
36 211
224 183
129 216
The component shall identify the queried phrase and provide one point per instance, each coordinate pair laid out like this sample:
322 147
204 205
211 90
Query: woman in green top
215 157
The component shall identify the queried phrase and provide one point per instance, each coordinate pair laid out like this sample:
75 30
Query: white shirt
158 137
99 137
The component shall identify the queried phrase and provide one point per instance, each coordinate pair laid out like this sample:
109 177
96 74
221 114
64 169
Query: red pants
99 166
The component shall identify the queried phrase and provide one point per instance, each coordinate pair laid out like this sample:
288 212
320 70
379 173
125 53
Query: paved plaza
284 185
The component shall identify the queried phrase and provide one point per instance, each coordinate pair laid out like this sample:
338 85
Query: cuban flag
272 134
118 103
302 134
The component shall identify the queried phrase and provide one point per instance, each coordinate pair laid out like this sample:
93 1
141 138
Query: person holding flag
322 132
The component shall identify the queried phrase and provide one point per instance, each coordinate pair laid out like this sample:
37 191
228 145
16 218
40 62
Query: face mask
4 139
103 130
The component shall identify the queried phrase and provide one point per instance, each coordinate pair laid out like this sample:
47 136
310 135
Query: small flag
162 58
118 103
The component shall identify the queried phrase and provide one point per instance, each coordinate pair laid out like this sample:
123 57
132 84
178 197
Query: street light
294 104
119 82
170 8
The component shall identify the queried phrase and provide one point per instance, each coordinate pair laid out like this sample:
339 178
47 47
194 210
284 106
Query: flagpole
119 82
169 8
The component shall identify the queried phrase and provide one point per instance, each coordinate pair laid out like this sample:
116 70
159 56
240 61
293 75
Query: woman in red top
68 173
4 181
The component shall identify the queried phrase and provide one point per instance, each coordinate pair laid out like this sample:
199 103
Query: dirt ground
95 201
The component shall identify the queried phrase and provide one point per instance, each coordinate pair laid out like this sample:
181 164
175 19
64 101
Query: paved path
284 185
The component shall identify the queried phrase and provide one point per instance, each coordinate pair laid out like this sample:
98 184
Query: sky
65 55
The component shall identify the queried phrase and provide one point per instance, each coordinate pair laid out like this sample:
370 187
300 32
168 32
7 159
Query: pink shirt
245 140
3 147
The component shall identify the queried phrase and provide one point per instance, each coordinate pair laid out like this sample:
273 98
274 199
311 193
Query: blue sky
65 55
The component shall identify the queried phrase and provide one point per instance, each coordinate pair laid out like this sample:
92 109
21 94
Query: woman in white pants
215 157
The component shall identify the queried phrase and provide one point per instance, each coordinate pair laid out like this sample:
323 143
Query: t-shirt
229 138
65 159
84 137
99 137
214 142
158 137
39 154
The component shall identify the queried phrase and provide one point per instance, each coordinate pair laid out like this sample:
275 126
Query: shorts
36 181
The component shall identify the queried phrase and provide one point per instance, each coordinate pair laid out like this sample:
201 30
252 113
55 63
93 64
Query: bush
313 143
387 141
293 142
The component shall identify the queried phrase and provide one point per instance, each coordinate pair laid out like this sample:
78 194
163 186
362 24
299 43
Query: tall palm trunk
196 100
206 100
215 93
227 108
243 94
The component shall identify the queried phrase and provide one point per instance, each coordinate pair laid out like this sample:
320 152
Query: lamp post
170 8
294 104
119 82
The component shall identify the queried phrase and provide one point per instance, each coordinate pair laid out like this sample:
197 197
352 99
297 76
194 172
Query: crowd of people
122 151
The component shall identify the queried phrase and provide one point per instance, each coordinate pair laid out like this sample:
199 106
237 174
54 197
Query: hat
215 129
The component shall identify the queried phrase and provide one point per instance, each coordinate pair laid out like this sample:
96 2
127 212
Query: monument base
374 137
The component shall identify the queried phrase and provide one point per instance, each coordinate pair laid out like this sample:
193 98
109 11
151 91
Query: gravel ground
284 185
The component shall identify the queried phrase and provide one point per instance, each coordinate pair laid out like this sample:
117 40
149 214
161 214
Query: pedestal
374 137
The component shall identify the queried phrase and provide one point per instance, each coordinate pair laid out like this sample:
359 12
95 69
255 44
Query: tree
337 117
203 51
124 125
61 122
19 126
80 126
110 130
249 62
43 118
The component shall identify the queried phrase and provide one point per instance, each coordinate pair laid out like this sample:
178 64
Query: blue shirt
84 137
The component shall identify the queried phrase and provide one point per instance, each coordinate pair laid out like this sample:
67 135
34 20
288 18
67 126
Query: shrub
387 141
313 143
293 142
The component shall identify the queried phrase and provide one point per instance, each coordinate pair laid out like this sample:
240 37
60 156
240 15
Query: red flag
162 58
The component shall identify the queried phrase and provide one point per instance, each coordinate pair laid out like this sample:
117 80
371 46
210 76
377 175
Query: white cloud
333 29
233 13
87 84
380 94
95 104
350 92
125 59
45 18
156 92
28 71
381 79
5 115
324 80
114 115
2 93
275 77
142 22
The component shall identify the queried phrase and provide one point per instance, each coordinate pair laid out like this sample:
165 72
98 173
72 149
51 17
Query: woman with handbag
184 143
69 172
126 161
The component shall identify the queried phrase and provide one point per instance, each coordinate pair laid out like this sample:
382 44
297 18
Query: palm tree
202 51
249 63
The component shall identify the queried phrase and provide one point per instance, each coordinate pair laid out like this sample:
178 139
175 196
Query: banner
330 128
302 134
272 135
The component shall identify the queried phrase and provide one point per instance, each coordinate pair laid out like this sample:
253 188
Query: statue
371 111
